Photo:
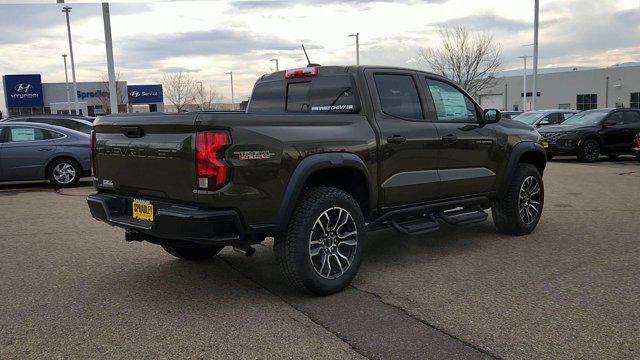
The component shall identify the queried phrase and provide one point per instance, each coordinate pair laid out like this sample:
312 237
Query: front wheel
519 211
589 151
321 250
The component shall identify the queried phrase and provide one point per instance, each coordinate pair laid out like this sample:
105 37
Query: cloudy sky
209 38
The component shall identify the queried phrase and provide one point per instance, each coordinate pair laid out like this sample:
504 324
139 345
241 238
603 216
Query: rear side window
399 96
632 117
298 97
617 118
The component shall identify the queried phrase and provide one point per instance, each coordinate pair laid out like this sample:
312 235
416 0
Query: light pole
357 36
276 60
113 90
66 80
67 10
524 76
230 73
201 93
535 53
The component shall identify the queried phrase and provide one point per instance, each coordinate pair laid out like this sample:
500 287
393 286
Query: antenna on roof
309 64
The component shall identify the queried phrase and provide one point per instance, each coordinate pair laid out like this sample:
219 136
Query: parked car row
586 134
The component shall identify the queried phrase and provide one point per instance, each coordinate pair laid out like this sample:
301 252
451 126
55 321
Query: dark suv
593 132
322 155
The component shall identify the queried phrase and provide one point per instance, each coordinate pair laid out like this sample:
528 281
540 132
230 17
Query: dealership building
27 94
617 86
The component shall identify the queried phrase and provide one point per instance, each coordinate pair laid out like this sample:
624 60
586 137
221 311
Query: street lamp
524 94
66 80
230 73
357 36
276 60
67 10
535 52
201 94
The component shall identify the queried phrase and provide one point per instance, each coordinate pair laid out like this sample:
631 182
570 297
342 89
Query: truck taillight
301 73
92 152
213 172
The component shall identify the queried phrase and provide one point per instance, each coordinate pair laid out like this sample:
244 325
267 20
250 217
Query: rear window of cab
322 94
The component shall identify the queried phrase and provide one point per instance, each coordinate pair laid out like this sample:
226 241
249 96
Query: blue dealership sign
145 94
23 90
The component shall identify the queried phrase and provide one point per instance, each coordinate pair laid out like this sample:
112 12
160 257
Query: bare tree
104 95
205 96
470 59
180 89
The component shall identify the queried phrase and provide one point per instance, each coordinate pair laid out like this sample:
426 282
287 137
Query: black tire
293 249
64 173
506 212
589 151
613 157
193 253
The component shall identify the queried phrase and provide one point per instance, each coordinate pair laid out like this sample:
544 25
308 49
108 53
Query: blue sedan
30 151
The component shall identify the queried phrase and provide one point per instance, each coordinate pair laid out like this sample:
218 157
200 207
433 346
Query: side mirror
492 116
610 123
544 122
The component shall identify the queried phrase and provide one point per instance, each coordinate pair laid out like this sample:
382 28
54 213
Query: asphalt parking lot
73 288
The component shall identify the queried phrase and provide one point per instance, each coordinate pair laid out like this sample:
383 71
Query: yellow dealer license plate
142 209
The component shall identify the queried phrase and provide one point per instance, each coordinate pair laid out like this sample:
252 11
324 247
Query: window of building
635 100
399 96
587 102
451 104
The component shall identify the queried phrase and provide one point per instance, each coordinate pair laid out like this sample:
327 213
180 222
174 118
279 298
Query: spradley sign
23 90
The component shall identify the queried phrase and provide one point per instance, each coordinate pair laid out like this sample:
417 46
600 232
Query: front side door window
451 104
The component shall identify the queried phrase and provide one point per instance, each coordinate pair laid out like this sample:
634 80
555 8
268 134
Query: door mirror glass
492 116
544 122
610 122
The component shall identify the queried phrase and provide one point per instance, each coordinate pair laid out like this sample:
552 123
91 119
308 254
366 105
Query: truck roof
338 69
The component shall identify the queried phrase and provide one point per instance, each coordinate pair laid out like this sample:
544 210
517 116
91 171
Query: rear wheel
519 211
589 151
64 173
321 250
193 253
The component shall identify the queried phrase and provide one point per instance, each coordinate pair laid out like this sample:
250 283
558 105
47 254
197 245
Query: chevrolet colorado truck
322 155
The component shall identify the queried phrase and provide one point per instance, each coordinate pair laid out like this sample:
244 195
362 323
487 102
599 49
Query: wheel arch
345 171
525 152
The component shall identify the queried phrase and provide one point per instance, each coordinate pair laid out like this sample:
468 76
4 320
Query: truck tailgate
146 155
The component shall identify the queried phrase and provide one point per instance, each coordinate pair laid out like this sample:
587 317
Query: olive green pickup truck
323 155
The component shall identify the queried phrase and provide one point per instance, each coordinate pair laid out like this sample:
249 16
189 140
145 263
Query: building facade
27 94
578 90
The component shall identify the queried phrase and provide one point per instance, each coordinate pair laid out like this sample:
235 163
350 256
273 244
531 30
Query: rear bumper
171 221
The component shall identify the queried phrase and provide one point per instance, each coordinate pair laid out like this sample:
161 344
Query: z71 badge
254 154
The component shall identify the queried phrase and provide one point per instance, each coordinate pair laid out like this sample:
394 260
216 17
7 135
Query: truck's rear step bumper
171 221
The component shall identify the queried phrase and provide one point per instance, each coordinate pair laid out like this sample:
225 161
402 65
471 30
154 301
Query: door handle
396 139
44 149
449 138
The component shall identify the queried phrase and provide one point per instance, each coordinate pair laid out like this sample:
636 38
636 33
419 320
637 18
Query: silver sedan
30 151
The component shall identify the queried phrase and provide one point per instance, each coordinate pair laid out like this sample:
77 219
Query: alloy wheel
64 173
333 242
592 151
529 200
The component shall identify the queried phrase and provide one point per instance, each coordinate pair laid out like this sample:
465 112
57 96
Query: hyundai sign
145 94
23 91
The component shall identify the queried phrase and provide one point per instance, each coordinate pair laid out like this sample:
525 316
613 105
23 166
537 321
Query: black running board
427 218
